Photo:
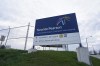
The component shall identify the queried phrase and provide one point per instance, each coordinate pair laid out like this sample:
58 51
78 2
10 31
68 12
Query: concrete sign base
83 55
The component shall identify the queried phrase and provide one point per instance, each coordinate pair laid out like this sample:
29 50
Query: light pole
87 41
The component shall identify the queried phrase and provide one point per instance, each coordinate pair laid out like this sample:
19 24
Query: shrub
2 47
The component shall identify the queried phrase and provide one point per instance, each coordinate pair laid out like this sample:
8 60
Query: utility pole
87 41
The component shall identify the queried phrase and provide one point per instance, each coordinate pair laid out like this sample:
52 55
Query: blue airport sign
56 25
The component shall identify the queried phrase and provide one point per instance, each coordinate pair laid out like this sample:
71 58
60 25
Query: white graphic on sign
63 20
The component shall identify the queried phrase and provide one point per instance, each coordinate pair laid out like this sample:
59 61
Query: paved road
97 56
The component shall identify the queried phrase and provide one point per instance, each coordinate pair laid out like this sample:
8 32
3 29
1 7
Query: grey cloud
94 24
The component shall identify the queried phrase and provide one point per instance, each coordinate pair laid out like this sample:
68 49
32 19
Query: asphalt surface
97 56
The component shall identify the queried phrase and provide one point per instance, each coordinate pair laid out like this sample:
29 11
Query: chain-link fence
18 37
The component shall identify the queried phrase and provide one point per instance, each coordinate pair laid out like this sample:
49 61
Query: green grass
41 58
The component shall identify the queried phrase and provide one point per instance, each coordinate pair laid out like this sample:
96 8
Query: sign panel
57 30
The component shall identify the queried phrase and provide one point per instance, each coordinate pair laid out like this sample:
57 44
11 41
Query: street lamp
87 41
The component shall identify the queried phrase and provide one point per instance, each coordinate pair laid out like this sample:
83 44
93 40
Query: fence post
7 36
67 48
26 36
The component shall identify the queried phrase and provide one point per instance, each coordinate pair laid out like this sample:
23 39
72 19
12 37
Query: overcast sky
21 12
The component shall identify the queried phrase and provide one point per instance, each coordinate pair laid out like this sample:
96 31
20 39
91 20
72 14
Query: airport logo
63 20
